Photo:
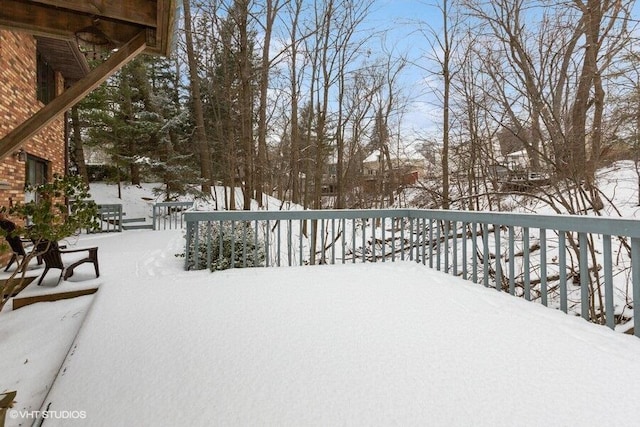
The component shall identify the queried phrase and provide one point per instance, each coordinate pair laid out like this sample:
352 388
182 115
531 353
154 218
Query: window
37 171
46 90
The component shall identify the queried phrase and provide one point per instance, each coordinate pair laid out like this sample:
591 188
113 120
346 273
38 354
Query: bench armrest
68 251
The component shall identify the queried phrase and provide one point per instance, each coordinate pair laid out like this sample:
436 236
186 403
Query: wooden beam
141 12
24 301
165 28
27 280
17 137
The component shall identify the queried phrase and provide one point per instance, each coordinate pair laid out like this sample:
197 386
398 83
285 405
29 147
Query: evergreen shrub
239 247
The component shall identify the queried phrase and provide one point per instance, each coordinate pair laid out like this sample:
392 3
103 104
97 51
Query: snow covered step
137 226
125 220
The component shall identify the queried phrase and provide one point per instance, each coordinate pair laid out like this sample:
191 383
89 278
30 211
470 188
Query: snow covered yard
372 344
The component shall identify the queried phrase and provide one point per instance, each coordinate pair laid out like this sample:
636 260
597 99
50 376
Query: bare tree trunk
446 75
126 109
245 71
294 156
78 148
271 12
200 133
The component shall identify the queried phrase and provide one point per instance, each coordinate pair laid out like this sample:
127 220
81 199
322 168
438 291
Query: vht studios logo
60 415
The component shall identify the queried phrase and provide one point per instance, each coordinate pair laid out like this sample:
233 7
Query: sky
402 19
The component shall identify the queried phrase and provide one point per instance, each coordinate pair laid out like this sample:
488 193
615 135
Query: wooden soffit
65 57
119 20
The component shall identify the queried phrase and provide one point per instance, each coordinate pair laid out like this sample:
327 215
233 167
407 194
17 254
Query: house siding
18 102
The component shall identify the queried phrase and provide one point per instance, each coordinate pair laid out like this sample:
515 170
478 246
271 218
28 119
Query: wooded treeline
286 97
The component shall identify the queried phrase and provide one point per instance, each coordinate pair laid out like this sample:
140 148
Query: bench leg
44 273
69 270
14 258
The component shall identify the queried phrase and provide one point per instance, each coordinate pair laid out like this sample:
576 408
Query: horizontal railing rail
169 215
565 261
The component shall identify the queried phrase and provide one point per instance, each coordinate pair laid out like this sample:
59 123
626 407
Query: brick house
43 73
33 72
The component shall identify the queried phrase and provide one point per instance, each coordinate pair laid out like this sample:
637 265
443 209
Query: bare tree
200 134
271 10
443 44
548 66
348 48
78 147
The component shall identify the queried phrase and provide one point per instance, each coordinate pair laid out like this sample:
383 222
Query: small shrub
238 247
49 218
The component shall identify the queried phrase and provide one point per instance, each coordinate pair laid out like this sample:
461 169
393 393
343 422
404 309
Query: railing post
527 263
383 239
512 262
584 276
454 237
543 266
411 242
266 243
485 254
439 245
153 215
464 250
402 249
562 269
209 250
447 227
196 246
608 281
474 249
635 278
496 234
188 238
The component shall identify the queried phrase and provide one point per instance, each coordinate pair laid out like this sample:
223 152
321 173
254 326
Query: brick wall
18 102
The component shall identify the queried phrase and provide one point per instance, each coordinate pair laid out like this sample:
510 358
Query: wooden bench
52 257
17 247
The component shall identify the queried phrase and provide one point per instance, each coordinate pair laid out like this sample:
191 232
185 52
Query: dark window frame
40 170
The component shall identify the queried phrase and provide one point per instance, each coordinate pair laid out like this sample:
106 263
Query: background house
405 170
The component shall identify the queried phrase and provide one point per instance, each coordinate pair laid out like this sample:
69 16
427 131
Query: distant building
406 170
517 161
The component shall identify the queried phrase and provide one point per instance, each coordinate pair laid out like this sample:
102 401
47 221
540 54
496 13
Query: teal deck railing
577 264
169 215
109 218
165 215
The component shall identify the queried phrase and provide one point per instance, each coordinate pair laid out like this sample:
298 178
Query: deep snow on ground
347 344
33 344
